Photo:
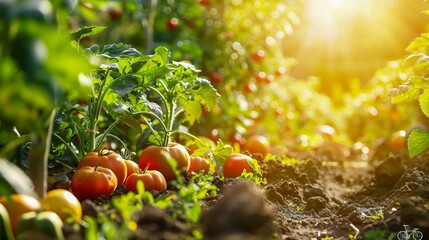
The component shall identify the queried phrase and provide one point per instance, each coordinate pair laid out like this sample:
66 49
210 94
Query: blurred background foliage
298 72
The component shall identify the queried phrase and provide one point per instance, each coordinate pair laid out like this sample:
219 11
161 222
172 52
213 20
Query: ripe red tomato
250 87
172 24
91 182
114 14
107 159
216 77
258 56
204 2
235 164
17 205
281 70
152 180
153 156
261 77
199 164
257 144
132 167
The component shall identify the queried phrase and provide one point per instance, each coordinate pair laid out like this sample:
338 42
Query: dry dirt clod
243 210
389 171
316 203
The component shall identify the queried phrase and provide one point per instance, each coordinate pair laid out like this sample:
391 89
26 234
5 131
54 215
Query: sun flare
352 38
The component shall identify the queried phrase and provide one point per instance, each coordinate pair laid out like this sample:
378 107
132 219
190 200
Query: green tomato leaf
86 31
119 50
401 95
199 93
125 84
162 56
186 65
221 152
424 102
194 213
418 141
154 108
192 109
419 45
133 123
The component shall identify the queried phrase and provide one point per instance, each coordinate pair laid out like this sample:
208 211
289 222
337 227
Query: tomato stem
146 168
103 152
96 166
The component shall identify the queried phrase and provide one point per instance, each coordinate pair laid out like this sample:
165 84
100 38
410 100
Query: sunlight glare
329 15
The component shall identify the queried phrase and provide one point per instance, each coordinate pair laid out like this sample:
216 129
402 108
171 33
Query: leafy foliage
418 141
416 87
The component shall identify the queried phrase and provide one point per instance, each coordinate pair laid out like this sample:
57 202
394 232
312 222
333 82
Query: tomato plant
18 204
63 203
91 182
199 164
235 164
152 180
157 158
107 159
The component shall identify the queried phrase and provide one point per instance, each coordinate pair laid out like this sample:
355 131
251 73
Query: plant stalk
38 156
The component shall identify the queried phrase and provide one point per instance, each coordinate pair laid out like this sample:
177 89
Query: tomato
199 164
91 182
132 167
40 225
172 23
237 138
114 14
204 2
63 203
107 159
17 205
260 77
250 87
152 180
398 140
235 164
216 77
258 56
258 144
153 156
280 71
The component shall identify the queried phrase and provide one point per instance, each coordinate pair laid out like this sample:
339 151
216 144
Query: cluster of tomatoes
100 173
25 216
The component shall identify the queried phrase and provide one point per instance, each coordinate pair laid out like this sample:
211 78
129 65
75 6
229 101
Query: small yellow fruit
63 203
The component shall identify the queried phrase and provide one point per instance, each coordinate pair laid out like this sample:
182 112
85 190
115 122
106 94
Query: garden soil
330 193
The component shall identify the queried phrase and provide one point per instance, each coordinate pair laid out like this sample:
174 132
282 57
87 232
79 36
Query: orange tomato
107 159
398 140
152 180
257 145
153 157
17 205
91 182
199 164
63 203
235 164
132 167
